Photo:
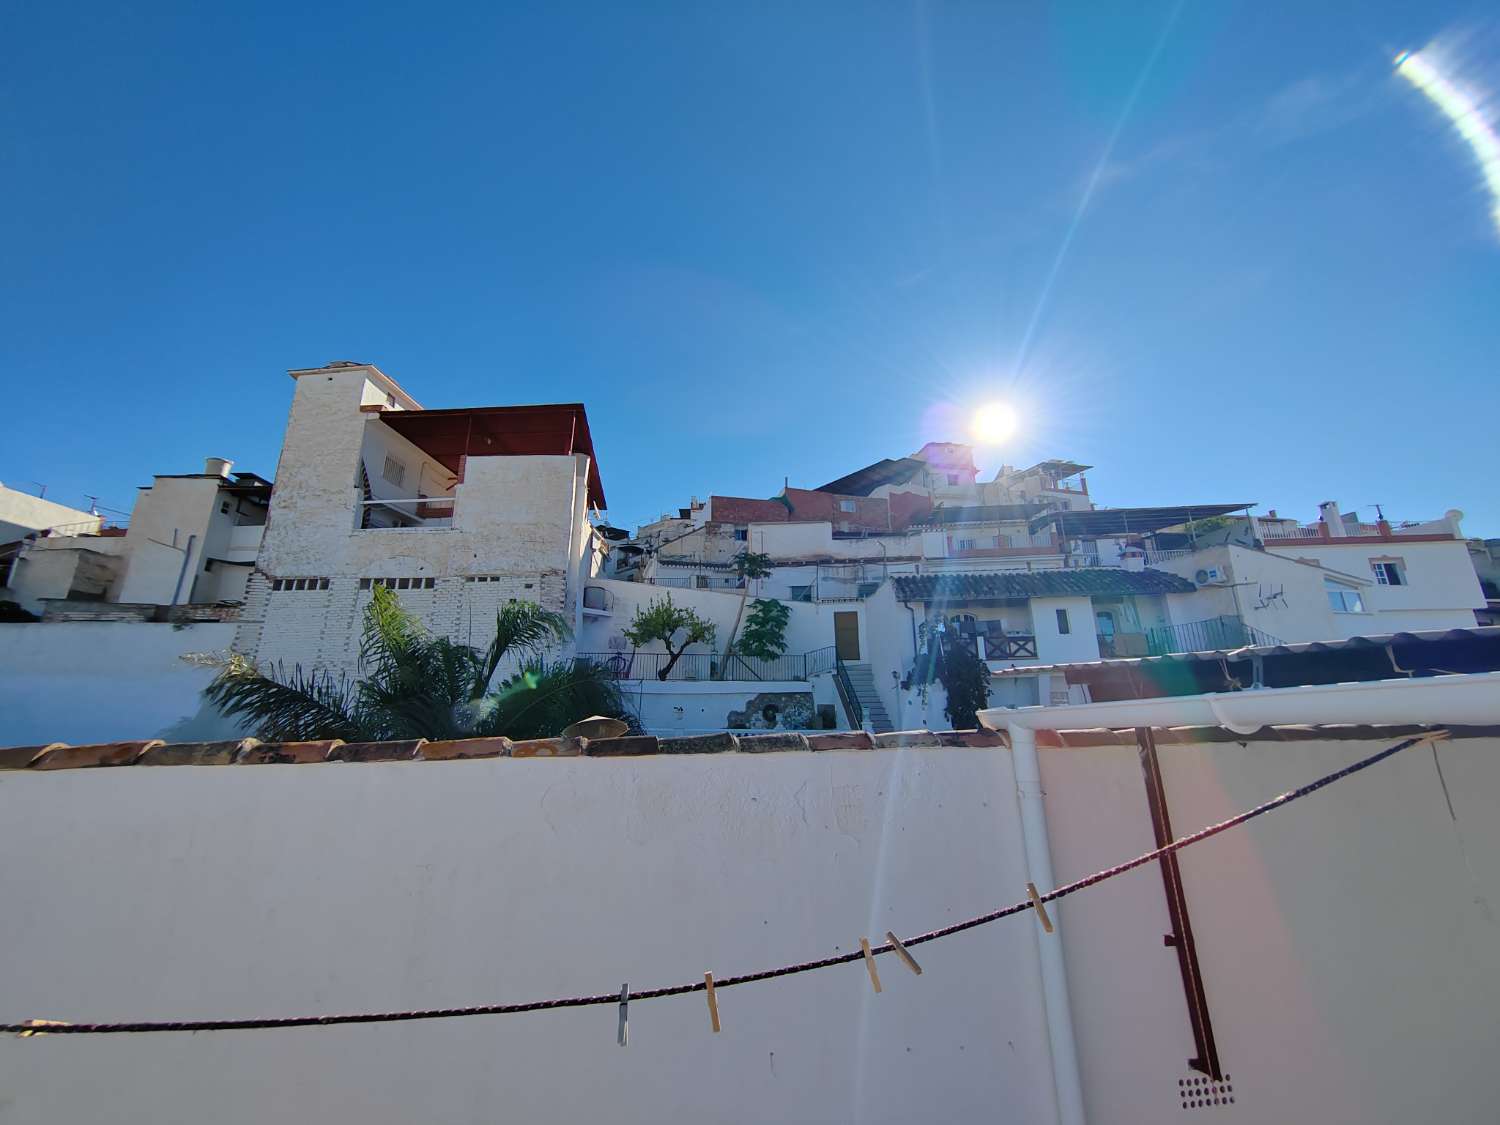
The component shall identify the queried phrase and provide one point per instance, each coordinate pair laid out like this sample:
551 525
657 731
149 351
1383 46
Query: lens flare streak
1466 114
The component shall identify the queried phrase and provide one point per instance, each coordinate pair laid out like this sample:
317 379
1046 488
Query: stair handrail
852 706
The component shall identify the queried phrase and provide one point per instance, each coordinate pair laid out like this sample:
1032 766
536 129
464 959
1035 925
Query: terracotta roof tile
376 751
279 753
841 740
771 743
196 753
699 744
547 748
98 754
629 746
453 749
248 751
19 757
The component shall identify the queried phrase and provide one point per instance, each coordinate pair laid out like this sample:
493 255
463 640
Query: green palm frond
523 630
416 685
391 635
540 699
287 706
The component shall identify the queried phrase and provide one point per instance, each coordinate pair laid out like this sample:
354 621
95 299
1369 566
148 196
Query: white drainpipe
1064 1050
1471 700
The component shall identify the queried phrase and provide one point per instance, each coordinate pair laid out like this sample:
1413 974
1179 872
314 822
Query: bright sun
993 423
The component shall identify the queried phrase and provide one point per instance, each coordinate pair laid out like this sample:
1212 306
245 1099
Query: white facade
192 539
102 681
358 503
22 514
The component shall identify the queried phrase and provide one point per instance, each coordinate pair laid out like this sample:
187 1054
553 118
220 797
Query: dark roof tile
1037 584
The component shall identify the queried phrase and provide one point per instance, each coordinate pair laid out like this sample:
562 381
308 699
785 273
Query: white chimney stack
217 466
1332 520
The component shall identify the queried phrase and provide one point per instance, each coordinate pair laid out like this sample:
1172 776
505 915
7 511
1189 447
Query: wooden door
846 635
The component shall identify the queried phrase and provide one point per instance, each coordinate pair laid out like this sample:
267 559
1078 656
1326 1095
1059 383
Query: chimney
1332 520
217 466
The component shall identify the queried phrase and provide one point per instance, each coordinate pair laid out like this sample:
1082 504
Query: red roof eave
555 430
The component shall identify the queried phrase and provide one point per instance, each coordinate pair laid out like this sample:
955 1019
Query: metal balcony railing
406 512
705 666
1208 635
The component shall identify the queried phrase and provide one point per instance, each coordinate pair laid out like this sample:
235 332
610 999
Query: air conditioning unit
1209 576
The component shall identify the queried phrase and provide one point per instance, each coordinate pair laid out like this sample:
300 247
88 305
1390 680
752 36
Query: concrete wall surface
102 681
1347 941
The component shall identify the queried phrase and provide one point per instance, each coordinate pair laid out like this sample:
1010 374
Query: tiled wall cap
288 753
376 751
842 740
548 748
981 737
630 746
453 749
98 754
699 744
771 743
196 753
19 757
901 738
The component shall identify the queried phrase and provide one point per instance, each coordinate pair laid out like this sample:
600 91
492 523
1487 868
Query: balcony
406 514
1208 635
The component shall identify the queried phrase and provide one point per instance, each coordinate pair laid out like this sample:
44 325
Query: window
394 471
741 534
1343 599
801 593
1389 572
966 544
399 583
953 478
224 507
287 584
1062 622
846 505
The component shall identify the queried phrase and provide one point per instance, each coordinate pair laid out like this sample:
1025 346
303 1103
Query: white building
460 510
192 540
22 514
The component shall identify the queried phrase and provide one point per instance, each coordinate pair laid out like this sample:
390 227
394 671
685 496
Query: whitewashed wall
103 681
1347 941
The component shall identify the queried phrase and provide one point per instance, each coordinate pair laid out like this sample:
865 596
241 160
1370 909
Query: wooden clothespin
623 1036
1039 906
864 945
38 1025
713 1001
906 958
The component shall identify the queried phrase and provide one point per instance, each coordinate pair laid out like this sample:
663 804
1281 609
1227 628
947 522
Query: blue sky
763 241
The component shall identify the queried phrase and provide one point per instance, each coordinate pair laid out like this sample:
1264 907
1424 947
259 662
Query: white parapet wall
1347 941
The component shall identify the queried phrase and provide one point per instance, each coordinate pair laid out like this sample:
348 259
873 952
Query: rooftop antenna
41 489
93 504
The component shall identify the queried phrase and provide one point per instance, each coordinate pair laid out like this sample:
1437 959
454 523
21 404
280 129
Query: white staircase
863 682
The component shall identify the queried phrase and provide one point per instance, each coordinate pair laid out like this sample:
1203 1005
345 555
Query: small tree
765 629
663 621
748 565
966 679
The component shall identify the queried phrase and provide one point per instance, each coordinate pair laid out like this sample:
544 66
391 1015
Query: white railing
82 527
408 512
1288 532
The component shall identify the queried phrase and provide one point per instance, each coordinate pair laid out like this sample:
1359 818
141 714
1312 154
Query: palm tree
415 685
